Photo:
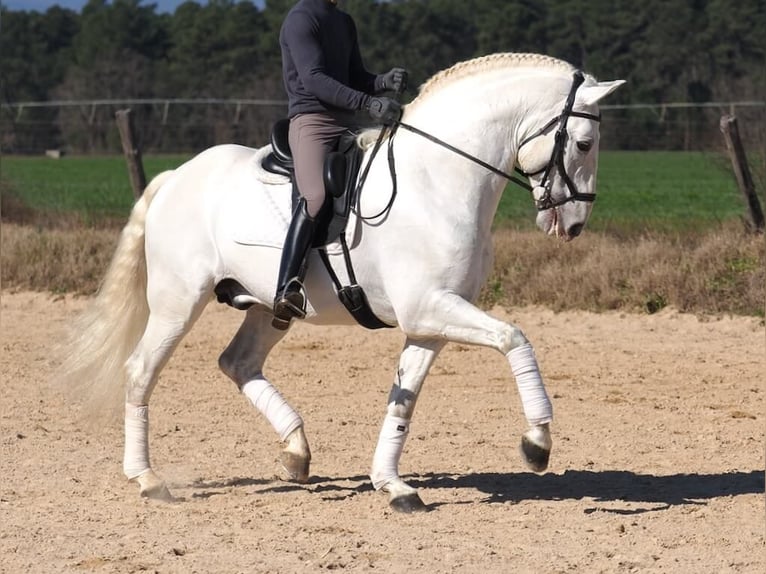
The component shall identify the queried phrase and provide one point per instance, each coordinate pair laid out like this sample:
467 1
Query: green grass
97 185
636 190
674 189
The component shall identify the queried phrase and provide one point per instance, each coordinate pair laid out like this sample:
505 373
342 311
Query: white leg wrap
271 405
537 406
136 459
385 463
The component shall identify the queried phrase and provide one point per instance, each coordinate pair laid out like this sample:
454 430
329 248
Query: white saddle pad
263 216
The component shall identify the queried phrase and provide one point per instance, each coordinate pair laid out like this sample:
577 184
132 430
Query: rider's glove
395 80
384 110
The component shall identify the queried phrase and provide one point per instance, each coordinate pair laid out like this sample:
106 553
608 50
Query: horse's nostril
575 230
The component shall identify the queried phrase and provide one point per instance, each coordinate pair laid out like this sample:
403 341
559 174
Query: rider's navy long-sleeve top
321 64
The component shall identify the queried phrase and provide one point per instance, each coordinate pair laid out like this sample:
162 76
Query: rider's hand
384 110
395 80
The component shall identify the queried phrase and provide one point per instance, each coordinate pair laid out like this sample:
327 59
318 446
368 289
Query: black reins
546 201
467 156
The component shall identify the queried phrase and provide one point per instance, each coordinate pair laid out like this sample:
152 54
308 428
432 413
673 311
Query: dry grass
716 272
711 273
59 260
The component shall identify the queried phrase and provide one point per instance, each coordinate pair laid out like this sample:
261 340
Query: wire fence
188 125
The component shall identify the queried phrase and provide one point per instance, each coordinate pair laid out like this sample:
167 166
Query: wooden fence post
741 169
132 152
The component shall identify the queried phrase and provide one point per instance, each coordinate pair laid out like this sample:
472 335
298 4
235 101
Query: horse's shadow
600 486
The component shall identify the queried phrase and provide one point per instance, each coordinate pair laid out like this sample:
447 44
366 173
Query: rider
326 82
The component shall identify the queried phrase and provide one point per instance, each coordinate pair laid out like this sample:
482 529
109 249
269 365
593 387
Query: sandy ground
658 460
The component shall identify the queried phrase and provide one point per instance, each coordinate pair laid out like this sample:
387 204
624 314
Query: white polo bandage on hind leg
385 463
537 406
136 458
272 405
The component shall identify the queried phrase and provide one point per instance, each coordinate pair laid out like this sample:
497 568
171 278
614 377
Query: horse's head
560 158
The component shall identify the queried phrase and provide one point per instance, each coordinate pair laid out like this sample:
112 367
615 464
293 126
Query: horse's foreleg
414 363
242 361
458 320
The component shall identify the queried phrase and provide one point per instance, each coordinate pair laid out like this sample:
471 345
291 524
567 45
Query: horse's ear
591 94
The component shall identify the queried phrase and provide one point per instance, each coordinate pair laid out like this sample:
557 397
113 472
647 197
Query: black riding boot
290 301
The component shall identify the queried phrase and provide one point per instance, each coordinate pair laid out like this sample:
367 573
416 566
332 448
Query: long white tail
106 333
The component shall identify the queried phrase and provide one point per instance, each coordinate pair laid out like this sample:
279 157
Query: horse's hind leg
242 361
414 362
167 324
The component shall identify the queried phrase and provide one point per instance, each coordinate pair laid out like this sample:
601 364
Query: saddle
341 168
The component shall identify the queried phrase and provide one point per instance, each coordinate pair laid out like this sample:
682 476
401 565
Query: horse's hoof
535 456
154 488
408 503
296 467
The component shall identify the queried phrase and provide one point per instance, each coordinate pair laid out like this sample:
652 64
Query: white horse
422 263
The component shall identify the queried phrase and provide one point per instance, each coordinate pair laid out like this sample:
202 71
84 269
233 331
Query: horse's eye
584 145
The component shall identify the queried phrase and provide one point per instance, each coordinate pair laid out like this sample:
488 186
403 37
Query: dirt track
658 460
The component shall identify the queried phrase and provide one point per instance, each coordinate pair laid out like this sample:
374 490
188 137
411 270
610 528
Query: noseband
556 161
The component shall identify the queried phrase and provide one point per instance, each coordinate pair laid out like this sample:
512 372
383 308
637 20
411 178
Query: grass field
637 190
94 185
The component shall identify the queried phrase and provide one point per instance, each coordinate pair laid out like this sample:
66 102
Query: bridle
556 160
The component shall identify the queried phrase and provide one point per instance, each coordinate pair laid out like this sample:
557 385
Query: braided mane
488 63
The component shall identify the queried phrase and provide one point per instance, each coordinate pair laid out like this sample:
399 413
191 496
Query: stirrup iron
292 300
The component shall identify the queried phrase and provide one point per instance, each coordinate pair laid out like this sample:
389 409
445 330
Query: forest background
694 52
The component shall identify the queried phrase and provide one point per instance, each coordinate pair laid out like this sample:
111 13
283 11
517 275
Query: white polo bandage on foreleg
537 406
136 459
385 463
272 405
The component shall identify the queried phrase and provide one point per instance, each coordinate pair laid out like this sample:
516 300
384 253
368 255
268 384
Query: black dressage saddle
341 169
